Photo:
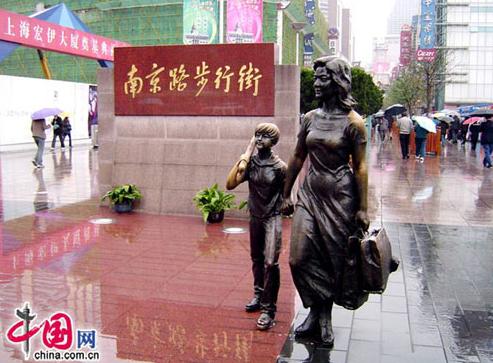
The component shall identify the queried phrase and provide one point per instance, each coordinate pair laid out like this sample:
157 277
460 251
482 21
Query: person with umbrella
487 140
38 127
474 128
443 131
420 140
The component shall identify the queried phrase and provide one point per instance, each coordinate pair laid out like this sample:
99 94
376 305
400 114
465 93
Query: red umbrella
472 120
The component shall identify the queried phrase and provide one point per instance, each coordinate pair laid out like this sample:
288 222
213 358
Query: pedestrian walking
420 141
265 173
454 130
405 126
57 124
67 131
443 132
462 136
474 129
383 129
487 140
38 128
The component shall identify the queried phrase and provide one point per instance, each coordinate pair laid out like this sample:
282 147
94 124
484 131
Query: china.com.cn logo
57 333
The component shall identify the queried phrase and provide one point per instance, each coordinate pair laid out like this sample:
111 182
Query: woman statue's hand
287 207
362 220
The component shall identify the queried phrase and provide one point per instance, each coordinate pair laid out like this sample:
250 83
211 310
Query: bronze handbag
376 261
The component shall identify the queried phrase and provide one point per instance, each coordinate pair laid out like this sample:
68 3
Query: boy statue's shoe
253 305
265 321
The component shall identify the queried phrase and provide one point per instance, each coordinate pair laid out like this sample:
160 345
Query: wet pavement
171 289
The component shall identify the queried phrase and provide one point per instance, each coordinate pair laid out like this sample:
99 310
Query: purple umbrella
45 112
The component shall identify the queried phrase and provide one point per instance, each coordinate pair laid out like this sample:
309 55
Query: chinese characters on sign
200 343
41 34
406 44
427 31
195 80
49 247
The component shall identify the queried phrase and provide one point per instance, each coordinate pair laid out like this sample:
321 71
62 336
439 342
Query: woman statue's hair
340 71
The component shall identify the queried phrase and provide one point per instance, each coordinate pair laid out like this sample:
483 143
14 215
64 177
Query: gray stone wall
170 158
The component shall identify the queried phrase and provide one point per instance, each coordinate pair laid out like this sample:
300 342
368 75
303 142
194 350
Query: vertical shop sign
200 25
244 21
308 37
427 32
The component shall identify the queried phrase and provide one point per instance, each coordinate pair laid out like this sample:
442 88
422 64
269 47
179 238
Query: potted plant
121 197
212 202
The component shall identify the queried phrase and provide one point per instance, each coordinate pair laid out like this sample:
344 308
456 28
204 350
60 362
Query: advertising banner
428 28
222 79
406 44
200 21
425 55
308 49
310 11
244 21
40 34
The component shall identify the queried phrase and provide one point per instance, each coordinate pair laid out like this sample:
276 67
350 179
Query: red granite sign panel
195 80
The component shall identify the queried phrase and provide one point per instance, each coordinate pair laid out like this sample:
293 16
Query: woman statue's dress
324 217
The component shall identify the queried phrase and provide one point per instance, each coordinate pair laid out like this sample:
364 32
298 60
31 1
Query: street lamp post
298 26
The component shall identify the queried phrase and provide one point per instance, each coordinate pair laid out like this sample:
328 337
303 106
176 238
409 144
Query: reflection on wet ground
170 289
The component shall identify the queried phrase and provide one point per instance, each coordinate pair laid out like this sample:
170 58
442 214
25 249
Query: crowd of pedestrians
453 130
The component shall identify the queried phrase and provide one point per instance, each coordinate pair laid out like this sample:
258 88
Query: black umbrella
393 110
379 114
481 113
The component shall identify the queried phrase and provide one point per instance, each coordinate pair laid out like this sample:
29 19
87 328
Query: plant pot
124 207
215 217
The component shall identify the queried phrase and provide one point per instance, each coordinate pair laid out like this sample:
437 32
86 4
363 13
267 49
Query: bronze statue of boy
265 173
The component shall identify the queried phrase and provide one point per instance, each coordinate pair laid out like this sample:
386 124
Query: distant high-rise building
323 5
332 10
402 14
465 31
385 57
347 35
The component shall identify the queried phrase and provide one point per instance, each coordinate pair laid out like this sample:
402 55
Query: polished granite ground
171 289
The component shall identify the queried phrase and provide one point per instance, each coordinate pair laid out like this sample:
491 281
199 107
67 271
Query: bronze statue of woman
332 202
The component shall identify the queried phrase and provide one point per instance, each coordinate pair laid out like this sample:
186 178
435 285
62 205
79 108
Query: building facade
347 36
467 37
332 11
150 22
402 14
386 53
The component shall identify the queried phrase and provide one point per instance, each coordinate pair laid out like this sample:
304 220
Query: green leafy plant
213 200
122 193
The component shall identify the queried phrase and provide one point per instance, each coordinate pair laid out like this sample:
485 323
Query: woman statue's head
333 78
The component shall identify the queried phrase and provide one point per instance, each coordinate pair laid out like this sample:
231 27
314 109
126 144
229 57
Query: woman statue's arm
237 174
294 166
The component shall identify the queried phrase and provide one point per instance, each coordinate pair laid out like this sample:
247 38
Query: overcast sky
369 20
